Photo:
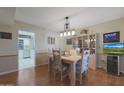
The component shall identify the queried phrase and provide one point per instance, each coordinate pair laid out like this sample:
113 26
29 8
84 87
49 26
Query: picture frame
51 40
69 41
5 35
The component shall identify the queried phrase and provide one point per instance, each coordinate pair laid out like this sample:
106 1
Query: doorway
26 49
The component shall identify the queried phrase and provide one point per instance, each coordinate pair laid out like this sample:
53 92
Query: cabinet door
112 64
75 42
80 42
85 42
92 44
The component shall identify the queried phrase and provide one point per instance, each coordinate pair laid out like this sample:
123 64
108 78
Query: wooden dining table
72 60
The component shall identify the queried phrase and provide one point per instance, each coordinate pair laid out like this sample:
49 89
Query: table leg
73 74
48 66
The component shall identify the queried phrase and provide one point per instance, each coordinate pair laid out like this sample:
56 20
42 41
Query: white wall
9 50
9 47
57 40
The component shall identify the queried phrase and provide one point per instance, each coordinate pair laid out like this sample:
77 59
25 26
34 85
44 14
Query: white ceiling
7 15
52 18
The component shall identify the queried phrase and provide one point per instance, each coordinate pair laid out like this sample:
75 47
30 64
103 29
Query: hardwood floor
39 76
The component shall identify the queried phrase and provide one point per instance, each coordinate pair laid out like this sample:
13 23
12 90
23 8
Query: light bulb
64 33
61 34
73 32
69 33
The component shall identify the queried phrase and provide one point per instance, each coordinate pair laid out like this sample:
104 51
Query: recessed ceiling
52 18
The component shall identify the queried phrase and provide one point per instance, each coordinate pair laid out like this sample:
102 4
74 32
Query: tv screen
114 48
111 37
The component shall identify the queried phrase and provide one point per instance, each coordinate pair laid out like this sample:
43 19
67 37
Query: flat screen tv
113 48
111 37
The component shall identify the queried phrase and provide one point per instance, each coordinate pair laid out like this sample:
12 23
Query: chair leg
61 70
80 78
54 73
61 76
85 73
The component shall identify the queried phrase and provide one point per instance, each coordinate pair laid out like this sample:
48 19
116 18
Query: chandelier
67 31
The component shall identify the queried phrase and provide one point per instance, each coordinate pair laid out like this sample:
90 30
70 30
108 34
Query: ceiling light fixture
67 31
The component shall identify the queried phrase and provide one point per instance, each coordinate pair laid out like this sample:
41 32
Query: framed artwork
5 35
84 31
54 40
111 37
69 41
51 40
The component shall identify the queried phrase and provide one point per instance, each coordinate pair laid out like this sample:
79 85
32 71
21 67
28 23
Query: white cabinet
88 41
91 42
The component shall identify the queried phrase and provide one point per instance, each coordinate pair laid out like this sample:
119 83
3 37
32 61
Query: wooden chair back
85 60
56 56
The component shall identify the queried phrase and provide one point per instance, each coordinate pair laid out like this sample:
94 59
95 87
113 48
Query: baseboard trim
122 71
7 72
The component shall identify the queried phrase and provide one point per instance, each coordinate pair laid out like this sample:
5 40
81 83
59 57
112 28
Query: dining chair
50 59
82 65
58 67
